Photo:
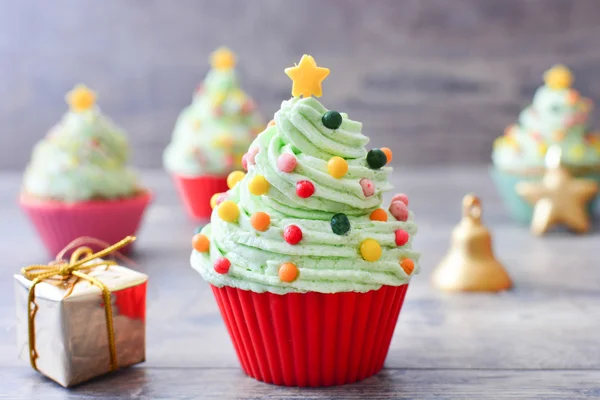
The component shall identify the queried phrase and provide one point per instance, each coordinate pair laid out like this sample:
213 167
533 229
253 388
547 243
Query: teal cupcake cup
518 208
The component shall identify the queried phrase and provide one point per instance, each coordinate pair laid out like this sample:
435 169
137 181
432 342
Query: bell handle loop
472 207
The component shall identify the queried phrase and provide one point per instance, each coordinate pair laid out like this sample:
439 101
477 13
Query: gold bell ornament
470 264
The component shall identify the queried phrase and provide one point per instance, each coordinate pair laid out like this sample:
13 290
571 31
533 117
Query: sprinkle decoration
234 178
407 265
337 167
332 120
401 197
228 211
340 224
258 185
368 187
200 243
260 221
305 189
245 162
388 154
399 210
401 237
307 77
292 234
271 123
288 272
222 266
370 250
287 162
376 158
378 215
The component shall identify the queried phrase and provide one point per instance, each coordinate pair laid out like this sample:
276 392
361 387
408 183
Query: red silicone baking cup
311 339
60 223
196 193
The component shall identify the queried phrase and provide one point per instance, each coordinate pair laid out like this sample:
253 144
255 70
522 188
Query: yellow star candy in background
81 98
307 77
558 77
222 59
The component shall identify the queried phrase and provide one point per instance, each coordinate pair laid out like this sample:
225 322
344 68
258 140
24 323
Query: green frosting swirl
82 158
327 262
212 134
556 117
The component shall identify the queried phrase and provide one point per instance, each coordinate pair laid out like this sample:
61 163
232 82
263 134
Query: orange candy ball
260 221
288 272
407 265
378 215
200 243
388 154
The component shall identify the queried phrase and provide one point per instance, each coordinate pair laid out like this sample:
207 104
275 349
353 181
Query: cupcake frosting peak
557 116
212 133
83 157
307 215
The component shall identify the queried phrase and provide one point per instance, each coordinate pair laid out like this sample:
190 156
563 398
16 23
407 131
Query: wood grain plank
225 383
443 78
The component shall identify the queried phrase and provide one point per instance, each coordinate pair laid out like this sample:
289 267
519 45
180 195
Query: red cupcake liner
196 193
59 223
311 339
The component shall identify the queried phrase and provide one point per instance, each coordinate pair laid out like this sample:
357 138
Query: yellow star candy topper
81 98
223 59
558 77
307 77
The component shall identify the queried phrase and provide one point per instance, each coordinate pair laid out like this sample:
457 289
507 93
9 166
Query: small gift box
81 318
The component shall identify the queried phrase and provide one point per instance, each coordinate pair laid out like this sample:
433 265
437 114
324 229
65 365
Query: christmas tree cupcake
211 135
309 271
558 117
77 182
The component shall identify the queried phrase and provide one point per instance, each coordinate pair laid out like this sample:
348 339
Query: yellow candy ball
213 200
337 167
228 211
258 185
370 250
234 178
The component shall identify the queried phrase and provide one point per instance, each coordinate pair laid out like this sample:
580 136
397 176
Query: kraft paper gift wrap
71 334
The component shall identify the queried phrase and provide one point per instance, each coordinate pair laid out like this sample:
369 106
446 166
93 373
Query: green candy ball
376 158
340 225
332 119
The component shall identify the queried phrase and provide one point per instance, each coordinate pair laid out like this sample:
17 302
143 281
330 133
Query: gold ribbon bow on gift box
61 272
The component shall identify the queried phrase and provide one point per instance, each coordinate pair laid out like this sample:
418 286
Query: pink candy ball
245 161
399 210
367 186
286 162
402 197
251 159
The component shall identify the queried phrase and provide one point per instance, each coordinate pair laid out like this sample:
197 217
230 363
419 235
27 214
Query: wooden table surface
539 340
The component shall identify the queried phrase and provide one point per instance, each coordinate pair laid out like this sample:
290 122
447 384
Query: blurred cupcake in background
211 136
558 116
77 182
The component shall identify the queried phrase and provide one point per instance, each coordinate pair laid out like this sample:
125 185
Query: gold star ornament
307 77
81 98
223 59
558 77
559 198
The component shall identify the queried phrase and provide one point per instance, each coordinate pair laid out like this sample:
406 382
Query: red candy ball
402 197
222 265
305 189
401 237
292 234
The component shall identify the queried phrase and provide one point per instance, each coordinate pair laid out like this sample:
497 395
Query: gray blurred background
435 80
